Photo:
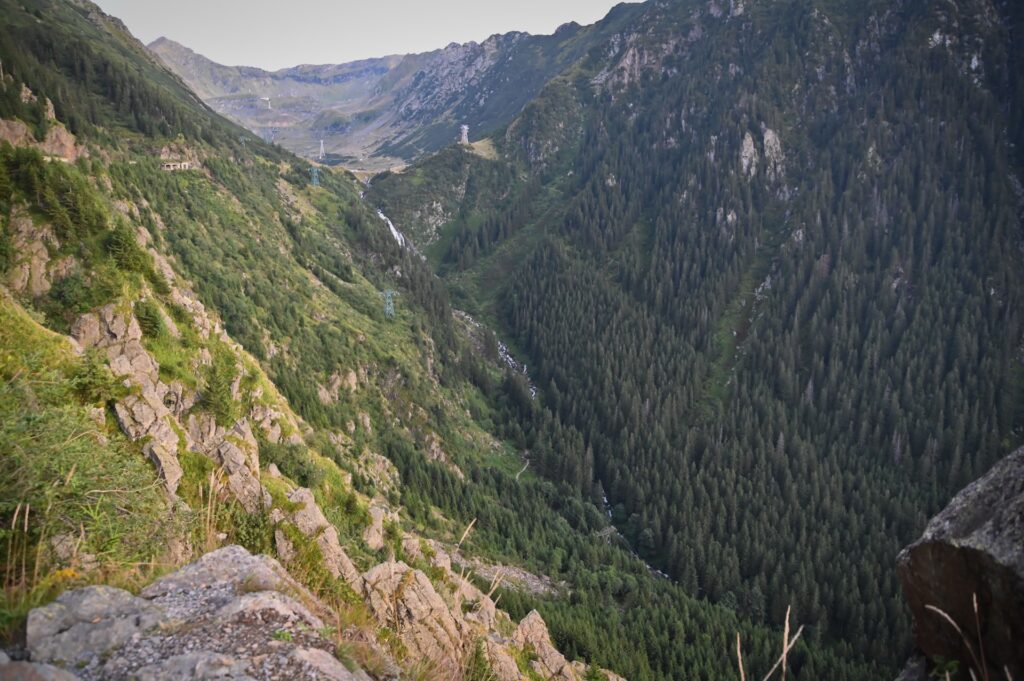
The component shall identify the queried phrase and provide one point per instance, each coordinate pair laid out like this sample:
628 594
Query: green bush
295 461
150 319
123 247
217 395
254 531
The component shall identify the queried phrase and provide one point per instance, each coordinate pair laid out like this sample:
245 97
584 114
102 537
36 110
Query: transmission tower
389 302
322 154
314 175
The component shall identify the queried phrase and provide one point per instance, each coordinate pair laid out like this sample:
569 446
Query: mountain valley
721 302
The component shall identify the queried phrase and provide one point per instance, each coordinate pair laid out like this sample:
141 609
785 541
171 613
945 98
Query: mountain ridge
402 106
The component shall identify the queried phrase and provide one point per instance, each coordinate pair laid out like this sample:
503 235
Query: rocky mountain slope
112 357
386 111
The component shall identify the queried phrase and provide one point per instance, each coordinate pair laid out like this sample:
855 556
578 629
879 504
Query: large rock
143 414
373 535
229 615
312 522
974 547
236 451
405 600
28 671
87 622
551 664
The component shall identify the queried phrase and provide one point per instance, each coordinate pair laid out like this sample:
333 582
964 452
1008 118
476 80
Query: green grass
62 474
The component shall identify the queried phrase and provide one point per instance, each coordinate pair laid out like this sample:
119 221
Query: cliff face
964 578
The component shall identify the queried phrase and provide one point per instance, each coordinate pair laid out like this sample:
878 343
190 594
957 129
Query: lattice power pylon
314 176
389 303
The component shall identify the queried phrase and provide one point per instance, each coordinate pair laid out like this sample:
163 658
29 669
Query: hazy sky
278 33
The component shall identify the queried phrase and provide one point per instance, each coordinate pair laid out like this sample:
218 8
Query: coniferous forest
773 290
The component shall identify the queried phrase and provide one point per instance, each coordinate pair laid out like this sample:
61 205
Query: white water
399 237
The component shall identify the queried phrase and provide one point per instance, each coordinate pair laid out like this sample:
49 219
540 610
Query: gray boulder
85 623
973 548
201 665
229 615
29 671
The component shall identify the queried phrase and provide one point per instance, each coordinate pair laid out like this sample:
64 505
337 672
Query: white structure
322 154
465 135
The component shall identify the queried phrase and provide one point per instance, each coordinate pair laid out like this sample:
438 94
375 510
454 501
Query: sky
274 34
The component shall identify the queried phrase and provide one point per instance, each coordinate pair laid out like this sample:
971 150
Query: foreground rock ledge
974 546
229 615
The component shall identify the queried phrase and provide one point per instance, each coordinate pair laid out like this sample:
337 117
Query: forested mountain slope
195 351
764 257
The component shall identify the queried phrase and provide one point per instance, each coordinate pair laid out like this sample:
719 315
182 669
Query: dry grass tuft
978 658
787 646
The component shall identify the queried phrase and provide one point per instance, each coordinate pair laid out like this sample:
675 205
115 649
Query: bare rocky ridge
228 615
974 547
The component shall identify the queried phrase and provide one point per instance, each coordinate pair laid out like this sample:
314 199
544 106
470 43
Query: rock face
229 615
975 546
551 664
310 521
405 600
58 142
32 271
374 533
142 415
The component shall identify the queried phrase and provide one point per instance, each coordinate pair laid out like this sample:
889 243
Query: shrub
150 319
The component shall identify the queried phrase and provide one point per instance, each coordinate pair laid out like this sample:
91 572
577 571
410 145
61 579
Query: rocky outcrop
511 575
502 663
377 468
973 549
311 522
32 271
532 632
142 415
236 451
374 533
229 615
405 600
150 413
328 394
748 156
774 159
58 142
